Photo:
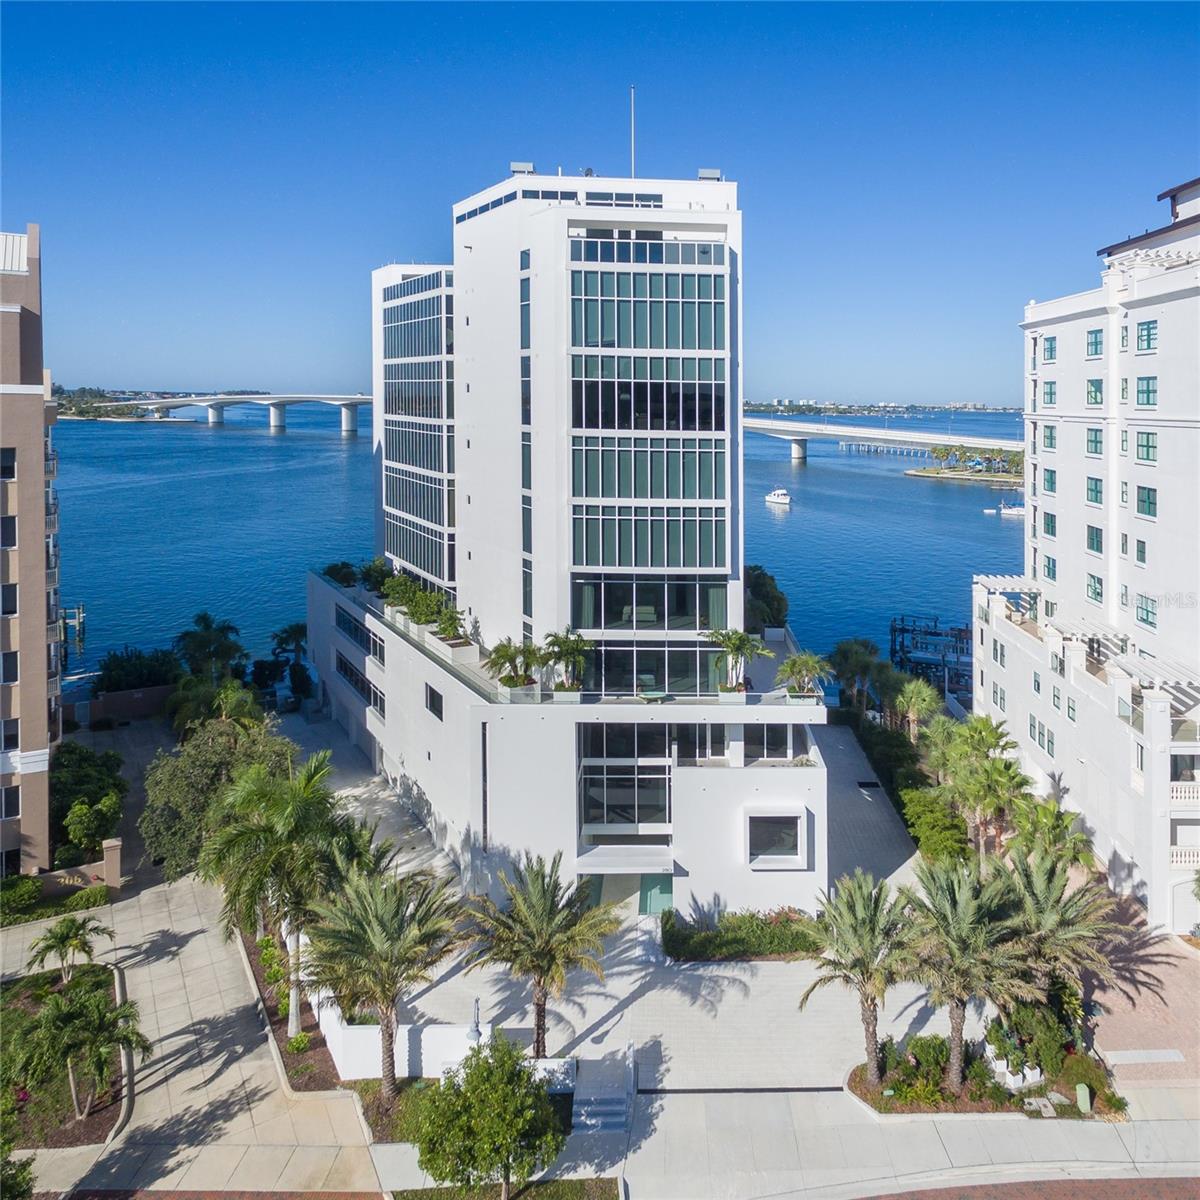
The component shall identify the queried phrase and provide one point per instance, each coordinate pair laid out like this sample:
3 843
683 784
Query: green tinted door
655 895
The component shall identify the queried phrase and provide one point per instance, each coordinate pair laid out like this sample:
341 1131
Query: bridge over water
278 406
873 436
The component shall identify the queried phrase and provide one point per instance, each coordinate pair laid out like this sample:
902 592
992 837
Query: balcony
54 684
1184 794
1185 729
54 633
51 464
52 515
1185 858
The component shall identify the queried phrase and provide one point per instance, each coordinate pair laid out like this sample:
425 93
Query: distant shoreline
967 476
130 420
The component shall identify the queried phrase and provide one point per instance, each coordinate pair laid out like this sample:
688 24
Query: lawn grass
45 1115
551 1189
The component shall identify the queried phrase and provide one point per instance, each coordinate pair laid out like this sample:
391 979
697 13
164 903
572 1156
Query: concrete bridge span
879 437
276 404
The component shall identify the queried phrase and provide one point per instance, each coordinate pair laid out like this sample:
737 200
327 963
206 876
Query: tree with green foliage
374 574
126 669
860 936
373 940
342 573
738 649
16 1174
513 663
278 845
936 826
81 775
88 825
183 787
916 702
940 739
964 949
210 648
69 939
229 704
491 1121
804 672
766 607
300 681
1042 826
851 661
290 640
547 929
568 650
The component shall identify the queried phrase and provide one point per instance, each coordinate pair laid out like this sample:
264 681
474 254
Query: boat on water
1013 510
779 496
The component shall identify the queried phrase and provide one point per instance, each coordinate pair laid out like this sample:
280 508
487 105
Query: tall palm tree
210 647
964 948
940 737
860 944
547 929
376 938
1067 932
738 650
1042 826
568 650
107 1028
917 701
804 671
291 639
274 847
887 682
68 939
851 660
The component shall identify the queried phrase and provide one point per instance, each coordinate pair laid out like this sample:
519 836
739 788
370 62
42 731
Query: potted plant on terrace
567 650
451 641
802 674
737 649
512 665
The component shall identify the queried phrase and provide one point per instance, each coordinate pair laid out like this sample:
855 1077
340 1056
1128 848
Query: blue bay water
162 519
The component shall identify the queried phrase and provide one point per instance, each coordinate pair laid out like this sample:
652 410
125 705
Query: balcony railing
52 516
52 577
54 684
1184 729
1184 794
1187 857
51 463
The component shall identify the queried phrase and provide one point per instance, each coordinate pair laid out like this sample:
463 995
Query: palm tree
851 661
512 663
963 948
291 639
917 701
738 650
1067 932
84 1028
887 682
547 929
940 737
859 938
803 671
210 647
276 846
69 938
568 650
1041 826
376 938
229 703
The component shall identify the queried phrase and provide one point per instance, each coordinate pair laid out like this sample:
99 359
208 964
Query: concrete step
599 1113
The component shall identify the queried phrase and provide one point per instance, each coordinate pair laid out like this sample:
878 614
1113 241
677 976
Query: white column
216 414
349 418
799 449
278 416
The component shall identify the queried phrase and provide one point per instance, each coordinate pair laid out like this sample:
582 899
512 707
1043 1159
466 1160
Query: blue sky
215 182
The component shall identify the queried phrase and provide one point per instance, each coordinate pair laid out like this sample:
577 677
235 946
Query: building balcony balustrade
51 464
53 632
54 684
52 576
1185 858
1184 794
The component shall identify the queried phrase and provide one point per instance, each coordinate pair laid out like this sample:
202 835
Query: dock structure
937 650
873 439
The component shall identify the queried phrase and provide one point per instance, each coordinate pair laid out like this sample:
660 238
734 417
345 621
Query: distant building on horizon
1092 655
30 683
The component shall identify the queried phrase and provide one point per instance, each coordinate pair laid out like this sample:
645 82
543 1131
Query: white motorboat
1013 510
779 496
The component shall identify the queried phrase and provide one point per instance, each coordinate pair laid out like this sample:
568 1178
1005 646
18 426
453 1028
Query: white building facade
1092 656
558 433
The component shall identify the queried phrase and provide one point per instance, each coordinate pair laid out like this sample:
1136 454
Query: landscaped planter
574 696
1015 1081
530 693
731 697
808 698
461 650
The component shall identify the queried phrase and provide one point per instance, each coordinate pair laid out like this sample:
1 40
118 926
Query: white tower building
557 423
1092 657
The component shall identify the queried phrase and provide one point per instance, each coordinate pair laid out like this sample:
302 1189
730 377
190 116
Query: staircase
599 1114
604 1089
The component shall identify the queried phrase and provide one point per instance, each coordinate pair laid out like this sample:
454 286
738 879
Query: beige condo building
30 722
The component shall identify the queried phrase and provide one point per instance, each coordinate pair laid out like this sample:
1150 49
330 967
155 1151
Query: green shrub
425 608
891 1057
374 574
741 935
284 1007
300 681
341 573
89 897
940 832
918 1090
1112 1100
19 893
450 623
1083 1068
299 1044
267 672
127 669
400 589
265 943
68 856
274 974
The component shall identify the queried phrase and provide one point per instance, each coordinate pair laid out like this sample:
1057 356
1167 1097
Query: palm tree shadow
1139 954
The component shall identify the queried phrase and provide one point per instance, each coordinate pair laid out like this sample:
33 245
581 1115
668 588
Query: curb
902 1118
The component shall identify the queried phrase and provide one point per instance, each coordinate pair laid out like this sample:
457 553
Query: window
8 532
8 462
360 683
1095 588
1070 709
524 260
1056 697
1049 392
1140 758
1003 701
1147 501
1124 543
1037 683
1049 437
1124 441
1095 539
526 460
1124 388
10 798
433 698
10 734
526 391
1095 490
1050 480
524 313
1033 727
1124 337
1050 743
1095 342
8 600
1049 524
1146 611
1095 441
358 633
1147 335
1095 391
9 666
1147 446
774 837
527 524
1124 596
1124 492
1050 567
1140 552
1049 349
1147 390
527 588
